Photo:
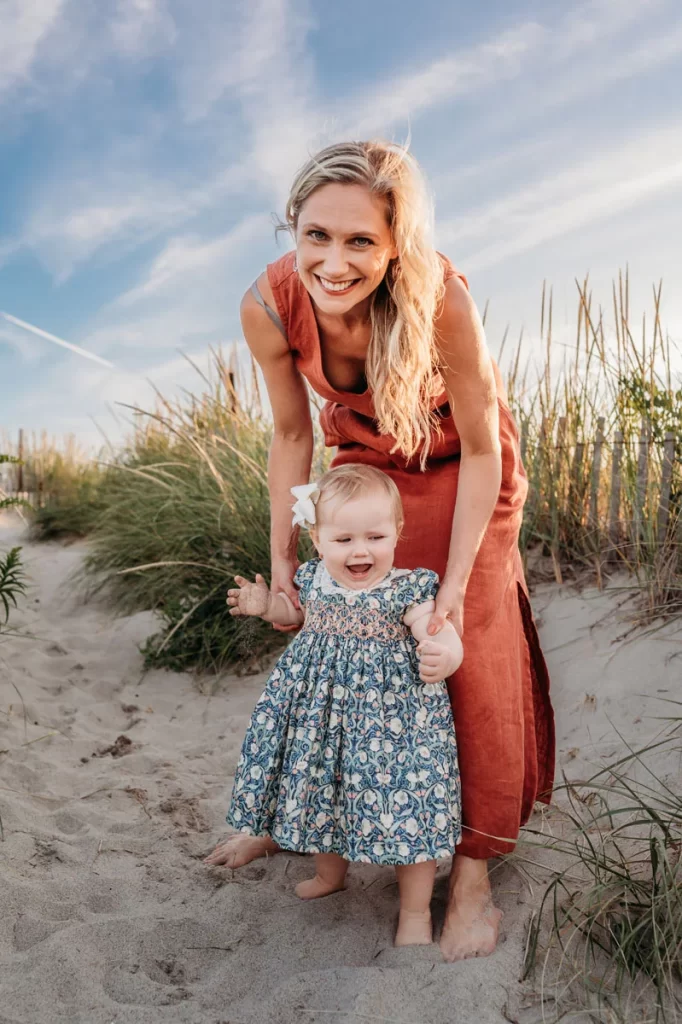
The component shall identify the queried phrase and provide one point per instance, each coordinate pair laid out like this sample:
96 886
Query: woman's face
343 246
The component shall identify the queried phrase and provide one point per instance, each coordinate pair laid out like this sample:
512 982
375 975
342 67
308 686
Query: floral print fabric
347 751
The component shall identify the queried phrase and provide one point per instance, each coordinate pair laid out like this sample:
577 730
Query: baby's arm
256 599
439 655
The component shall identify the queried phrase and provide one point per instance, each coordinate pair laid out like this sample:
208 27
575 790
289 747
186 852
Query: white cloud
269 74
80 215
185 262
140 26
542 46
25 25
582 193
77 393
446 79
25 346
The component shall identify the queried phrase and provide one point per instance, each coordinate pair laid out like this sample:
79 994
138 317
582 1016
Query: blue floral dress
347 751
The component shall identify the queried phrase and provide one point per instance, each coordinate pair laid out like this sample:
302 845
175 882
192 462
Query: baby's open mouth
359 570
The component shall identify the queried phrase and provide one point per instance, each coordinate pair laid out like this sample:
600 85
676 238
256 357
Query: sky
145 146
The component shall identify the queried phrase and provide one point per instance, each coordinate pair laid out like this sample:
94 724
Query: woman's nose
335 263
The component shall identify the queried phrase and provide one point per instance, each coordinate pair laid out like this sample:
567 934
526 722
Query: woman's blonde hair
402 361
352 480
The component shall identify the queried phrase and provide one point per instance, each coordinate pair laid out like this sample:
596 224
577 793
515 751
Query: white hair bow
304 507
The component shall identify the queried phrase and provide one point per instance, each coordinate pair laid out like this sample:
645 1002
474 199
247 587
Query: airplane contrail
58 341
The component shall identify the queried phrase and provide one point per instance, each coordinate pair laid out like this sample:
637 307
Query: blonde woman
383 328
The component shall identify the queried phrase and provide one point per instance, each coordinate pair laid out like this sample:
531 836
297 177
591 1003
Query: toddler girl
350 753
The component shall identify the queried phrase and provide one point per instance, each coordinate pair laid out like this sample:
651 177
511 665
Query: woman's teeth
336 286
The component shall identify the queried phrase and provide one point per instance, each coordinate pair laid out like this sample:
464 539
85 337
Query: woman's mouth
337 287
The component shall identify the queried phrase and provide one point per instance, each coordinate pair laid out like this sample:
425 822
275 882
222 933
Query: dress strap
268 309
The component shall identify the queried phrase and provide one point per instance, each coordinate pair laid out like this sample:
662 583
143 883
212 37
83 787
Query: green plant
581 430
12 583
613 911
183 509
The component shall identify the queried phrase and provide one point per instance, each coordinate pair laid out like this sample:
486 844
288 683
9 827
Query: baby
350 753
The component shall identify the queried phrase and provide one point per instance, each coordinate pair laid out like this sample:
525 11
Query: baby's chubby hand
250 598
436 661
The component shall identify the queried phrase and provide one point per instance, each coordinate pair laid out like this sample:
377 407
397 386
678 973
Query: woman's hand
449 608
282 582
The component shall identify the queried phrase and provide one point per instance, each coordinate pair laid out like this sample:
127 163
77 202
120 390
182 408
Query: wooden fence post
614 506
20 467
596 472
576 490
666 481
642 479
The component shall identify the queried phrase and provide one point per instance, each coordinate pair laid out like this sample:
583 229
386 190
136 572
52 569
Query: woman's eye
318 236
363 243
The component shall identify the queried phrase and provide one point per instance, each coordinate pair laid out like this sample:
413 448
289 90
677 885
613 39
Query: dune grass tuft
610 920
183 509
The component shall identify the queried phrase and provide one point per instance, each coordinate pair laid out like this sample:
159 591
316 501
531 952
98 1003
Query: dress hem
302 849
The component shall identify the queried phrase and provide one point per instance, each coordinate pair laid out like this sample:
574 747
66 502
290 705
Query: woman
383 327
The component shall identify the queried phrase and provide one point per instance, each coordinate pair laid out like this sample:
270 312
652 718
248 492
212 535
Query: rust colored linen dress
500 696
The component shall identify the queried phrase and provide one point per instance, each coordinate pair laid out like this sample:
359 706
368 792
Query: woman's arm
469 378
291 450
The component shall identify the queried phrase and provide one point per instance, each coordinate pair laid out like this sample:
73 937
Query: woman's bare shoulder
262 282
458 326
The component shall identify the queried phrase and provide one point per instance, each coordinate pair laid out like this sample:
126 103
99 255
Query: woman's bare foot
330 876
241 849
414 928
471 921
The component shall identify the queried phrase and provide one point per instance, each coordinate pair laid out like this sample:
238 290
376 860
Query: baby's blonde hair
353 480
402 361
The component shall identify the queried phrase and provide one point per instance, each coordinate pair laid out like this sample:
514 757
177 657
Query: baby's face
356 540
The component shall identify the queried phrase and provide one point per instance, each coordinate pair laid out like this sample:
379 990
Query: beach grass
601 437
183 508
608 931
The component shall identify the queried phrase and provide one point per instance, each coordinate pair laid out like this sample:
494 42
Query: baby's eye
378 536
343 540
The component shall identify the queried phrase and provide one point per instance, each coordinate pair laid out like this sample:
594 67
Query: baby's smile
360 570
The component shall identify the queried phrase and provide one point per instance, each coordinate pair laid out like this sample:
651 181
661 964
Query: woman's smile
337 287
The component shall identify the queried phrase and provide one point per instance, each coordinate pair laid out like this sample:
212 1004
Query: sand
107 913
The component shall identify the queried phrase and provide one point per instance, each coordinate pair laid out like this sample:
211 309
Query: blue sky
145 144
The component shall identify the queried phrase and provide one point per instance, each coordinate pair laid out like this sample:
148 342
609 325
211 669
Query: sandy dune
106 911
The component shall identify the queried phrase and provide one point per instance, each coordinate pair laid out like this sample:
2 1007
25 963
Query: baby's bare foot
241 849
414 928
314 888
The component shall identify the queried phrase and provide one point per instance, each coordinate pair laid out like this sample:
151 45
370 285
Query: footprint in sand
29 931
